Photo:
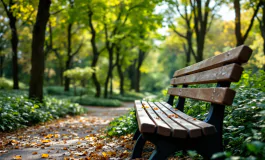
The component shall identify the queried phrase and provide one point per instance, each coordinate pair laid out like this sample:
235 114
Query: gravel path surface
67 137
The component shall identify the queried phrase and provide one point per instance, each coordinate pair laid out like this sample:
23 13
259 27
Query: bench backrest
221 69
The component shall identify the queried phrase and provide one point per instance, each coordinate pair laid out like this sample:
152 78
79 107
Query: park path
79 137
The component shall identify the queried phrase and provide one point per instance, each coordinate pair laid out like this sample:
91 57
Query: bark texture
37 56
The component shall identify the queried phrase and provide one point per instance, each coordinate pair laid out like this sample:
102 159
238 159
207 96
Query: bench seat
171 130
163 119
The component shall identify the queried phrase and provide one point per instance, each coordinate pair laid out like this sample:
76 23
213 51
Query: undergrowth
17 111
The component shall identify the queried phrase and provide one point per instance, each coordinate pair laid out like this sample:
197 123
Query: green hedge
92 101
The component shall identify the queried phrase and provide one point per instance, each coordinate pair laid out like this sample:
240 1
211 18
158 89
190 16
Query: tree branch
79 47
251 21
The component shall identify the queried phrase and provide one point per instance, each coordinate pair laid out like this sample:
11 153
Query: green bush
128 96
18 111
8 84
92 101
123 125
59 91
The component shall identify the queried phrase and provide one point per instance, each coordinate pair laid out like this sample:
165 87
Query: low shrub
59 90
123 125
18 111
8 84
93 101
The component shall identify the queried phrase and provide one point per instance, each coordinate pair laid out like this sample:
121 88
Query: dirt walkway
78 137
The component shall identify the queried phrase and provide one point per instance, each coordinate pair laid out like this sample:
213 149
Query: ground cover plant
18 111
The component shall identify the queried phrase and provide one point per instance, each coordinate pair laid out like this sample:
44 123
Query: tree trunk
138 72
94 77
95 54
110 51
239 40
262 28
37 59
120 73
2 58
132 74
14 41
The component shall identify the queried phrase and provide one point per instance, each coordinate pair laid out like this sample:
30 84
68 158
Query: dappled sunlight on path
80 137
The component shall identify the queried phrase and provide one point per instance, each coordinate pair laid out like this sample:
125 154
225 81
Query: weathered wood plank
162 128
145 124
239 55
221 95
177 130
207 128
193 130
230 73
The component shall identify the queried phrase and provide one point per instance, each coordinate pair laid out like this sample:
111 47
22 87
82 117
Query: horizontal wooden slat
194 131
162 128
231 73
145 124
177 130
207 128
239 54
215 95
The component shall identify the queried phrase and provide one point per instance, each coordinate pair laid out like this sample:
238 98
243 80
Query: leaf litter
80 137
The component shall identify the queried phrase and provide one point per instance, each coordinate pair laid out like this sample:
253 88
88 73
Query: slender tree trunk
120 73
262 28
239 40
69 50
94 77
37 59
95 54
2 58
138 72
111 85
14 41
61 70
69 58
110 51
132 74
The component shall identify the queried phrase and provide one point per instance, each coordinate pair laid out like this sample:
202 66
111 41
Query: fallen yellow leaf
17 157
45 141
104 154
44 155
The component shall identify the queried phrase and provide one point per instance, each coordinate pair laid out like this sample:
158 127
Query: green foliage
79 73
59 91
128 96
123 125
92 101
18 111
8 84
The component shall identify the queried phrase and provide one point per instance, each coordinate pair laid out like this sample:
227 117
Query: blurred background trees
127 45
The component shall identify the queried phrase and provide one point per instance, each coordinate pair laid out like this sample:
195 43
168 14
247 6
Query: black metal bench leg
163 150
210 146
138 147
136 134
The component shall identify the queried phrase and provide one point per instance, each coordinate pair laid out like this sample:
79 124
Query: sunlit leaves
79 73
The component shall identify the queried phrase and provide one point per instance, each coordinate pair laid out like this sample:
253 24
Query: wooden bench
171 130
